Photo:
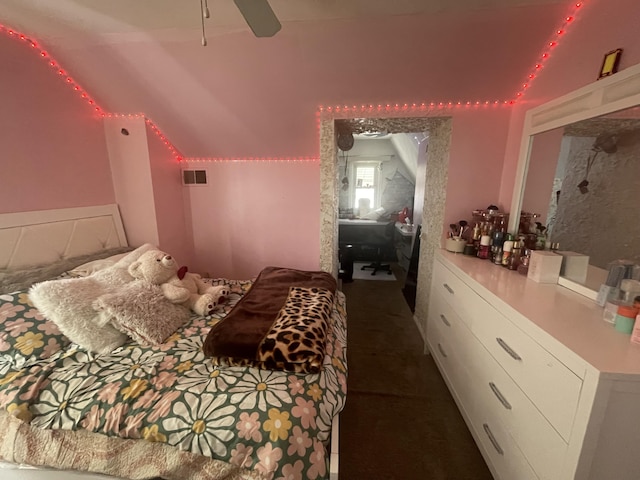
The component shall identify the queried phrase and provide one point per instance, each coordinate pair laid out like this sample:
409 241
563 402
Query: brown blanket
242 336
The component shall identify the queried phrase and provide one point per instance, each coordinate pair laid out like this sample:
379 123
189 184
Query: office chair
383 244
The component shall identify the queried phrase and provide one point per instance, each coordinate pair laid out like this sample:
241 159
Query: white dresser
548 389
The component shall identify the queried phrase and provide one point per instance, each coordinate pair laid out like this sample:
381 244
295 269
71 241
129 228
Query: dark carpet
400 421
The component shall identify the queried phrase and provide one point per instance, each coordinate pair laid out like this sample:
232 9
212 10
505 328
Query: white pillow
88 268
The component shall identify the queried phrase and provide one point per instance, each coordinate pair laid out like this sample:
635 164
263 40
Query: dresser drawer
539 442
550 385
454 291
449 342
500 447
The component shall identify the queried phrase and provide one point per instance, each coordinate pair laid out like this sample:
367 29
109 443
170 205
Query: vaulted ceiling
247 96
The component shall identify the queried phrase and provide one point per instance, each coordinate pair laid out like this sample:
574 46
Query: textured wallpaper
603 222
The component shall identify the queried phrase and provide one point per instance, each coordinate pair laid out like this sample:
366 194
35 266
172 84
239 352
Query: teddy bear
178 285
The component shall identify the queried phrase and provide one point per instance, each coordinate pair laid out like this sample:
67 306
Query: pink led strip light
323 111
55 66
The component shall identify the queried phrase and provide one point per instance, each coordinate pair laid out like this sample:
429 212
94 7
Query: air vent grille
194 177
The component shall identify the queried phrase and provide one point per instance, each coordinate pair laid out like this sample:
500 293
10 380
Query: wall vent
194 177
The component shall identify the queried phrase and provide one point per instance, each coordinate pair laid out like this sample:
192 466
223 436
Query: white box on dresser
548 389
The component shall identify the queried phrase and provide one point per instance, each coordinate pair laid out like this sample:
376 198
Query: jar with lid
625 318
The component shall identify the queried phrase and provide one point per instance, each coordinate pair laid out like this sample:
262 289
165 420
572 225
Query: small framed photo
610 63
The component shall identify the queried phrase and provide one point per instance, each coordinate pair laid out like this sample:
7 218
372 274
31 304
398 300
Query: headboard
46 236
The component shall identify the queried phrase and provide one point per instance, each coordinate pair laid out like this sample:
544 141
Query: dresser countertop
554 313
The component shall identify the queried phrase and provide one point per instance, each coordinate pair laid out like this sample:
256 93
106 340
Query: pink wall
475 162
255 214
53 147
175 233
246 97
600 27
129 159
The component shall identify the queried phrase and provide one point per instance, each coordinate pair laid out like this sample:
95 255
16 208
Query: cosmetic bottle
541 239
523 267
625 318
635 334
514 260
496 254
485 246
507 248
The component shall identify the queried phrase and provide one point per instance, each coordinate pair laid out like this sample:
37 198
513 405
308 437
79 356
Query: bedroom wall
132 182
53 146
255 214
148 188
172 205
600 27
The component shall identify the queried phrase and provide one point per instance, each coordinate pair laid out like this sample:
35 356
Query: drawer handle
448 288
492 439
499 395
444 320
442 351
508 349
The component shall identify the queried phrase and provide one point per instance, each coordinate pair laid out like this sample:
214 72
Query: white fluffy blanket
70 304
143 312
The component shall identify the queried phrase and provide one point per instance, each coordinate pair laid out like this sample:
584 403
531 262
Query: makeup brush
454 229
463 226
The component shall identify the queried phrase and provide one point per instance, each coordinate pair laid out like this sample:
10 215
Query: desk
366 236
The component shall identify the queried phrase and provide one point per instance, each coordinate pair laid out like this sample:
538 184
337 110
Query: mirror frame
608 95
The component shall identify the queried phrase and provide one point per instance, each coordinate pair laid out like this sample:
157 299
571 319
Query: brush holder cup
455 244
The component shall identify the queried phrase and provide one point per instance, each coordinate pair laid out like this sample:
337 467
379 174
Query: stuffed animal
178 285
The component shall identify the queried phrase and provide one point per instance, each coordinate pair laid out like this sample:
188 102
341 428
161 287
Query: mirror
583 176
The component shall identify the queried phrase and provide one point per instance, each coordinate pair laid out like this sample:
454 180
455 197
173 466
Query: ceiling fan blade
259 16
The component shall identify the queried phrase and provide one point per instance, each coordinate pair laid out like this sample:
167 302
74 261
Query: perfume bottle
485 246
523 267
514 260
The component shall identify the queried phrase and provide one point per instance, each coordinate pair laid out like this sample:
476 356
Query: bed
146 412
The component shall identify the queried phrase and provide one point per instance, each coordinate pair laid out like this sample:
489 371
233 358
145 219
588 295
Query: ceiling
244 96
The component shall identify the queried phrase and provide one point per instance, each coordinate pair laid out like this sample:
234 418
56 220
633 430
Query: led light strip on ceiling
323 112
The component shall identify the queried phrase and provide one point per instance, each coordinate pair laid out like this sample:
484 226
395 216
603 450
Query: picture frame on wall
610 63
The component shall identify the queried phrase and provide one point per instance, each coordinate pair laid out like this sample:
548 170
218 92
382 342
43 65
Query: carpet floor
400 421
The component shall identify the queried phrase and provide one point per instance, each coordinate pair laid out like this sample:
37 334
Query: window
365 184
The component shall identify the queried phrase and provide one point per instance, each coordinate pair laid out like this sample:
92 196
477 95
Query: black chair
384 244
345 255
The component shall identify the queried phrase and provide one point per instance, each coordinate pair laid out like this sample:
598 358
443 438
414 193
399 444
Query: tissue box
544 266
574 266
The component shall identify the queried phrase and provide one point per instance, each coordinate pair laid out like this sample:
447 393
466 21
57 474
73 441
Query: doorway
378 209
435 181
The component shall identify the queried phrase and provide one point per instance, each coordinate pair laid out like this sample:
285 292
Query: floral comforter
273 422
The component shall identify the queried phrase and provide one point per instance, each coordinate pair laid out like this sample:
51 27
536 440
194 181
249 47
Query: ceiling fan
259 17
257 13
